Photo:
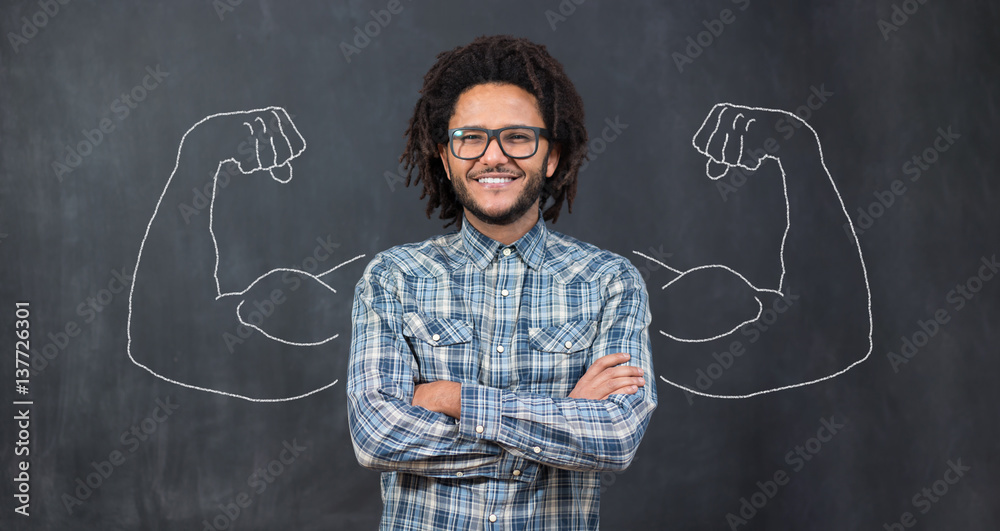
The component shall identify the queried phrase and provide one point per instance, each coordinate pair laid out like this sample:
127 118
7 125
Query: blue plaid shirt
517 326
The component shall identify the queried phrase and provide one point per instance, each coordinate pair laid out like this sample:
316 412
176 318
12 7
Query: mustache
498 170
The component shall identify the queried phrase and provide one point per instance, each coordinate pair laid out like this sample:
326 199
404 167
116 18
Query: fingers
708 128
607 376
610 360
737 131
618 379
252 163
627 376
261 143
279 142
717 145
725 145
265 144
290 133
275 141
621 371
628 385
610 367
728 137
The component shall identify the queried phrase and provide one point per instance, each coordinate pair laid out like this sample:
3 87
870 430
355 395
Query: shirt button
504 293
516 472
480 429
436 337
493 518
459 474
500 348
506 252
537 450
569 344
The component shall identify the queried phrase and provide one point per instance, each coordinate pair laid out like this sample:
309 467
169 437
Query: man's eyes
517 137
471 137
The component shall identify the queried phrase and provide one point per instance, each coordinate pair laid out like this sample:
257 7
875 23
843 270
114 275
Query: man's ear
553 163
443 154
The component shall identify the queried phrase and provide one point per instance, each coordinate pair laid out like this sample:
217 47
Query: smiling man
496 371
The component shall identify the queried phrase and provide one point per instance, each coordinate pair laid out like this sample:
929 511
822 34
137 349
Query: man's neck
505 234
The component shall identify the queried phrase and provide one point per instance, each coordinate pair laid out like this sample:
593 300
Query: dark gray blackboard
902 94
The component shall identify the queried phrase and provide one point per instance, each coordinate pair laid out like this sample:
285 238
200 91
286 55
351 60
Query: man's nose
493 154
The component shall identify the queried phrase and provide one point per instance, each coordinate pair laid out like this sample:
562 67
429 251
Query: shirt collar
482 249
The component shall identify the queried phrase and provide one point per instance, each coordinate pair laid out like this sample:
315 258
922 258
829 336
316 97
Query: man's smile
495 180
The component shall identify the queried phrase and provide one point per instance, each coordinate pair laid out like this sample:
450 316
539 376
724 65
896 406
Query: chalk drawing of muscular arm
811 319
194 325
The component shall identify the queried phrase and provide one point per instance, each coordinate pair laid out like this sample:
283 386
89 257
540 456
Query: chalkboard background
96 97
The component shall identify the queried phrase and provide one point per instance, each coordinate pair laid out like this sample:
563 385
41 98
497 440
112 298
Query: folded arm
394 429
388 432
579 433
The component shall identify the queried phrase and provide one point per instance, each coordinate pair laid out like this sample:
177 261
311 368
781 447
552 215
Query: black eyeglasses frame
491 134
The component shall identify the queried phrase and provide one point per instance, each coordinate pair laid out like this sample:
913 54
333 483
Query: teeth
494 180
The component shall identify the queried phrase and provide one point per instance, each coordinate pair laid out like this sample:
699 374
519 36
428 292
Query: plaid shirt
517 326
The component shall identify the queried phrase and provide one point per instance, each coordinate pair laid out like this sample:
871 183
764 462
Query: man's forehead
500 100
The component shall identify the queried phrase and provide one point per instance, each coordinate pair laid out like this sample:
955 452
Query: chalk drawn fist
272 143
734 135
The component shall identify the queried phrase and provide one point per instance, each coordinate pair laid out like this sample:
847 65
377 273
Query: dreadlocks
495 59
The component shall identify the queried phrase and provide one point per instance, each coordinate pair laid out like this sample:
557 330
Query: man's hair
495 59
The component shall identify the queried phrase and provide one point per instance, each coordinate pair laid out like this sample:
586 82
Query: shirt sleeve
569 433
387 431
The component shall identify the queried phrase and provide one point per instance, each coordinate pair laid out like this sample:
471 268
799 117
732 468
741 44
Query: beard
534 181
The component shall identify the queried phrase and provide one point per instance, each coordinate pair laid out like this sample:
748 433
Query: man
497 371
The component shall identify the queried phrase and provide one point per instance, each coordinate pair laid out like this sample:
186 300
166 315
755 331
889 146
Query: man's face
493 106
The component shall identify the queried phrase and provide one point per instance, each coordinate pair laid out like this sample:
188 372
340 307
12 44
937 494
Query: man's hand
607 376
441 396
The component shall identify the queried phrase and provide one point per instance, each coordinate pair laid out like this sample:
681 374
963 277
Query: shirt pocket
559 356
442 347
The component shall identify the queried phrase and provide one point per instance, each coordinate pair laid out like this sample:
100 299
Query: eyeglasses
517 142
